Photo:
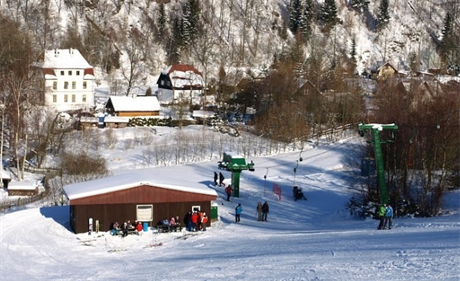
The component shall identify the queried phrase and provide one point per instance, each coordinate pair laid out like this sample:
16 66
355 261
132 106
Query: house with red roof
68 80
180 82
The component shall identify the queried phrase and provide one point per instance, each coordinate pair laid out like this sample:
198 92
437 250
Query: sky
314 239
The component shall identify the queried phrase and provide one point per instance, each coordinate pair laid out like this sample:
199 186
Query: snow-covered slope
302 240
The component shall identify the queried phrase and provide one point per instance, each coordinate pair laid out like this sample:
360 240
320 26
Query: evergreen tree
329 13
191 17
353 50
161 20
359 5
295 14
383 17
306 20
449 44
177 41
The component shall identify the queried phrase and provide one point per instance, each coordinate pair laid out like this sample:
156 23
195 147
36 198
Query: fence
22 201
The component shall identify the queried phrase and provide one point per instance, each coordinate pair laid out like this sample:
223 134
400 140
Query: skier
221 179
388 217
264 211
381 215
228 190
259 211
215 178
238 211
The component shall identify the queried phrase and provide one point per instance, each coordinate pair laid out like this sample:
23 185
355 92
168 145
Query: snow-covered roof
22 185
116 119
65 59
203 114
133 179
183 75
136 103
4 174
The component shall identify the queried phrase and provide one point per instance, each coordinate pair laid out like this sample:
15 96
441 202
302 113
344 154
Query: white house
180 82
68 80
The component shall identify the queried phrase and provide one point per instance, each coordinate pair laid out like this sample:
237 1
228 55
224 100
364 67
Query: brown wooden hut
143 195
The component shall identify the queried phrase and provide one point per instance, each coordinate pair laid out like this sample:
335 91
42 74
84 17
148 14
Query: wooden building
180 82
22 188
116 122
133 106
147 195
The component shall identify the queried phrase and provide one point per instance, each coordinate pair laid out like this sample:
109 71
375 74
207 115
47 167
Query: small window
54 98
196 208
144 213
73 98
83 99
70 72
66 85
85 85
62 72
66 98
162 82
54 85
78 73
74 85
168 83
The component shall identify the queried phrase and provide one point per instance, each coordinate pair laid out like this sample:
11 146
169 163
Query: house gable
179 81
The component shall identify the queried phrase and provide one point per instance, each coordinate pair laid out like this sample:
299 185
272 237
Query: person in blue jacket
388 217
238 211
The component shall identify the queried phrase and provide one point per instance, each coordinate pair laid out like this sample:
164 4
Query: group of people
385 214
125 228
172 222
220 177
262 211
195 221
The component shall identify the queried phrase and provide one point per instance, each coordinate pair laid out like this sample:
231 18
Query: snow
146 103
22 185
302 240
66 59
160 177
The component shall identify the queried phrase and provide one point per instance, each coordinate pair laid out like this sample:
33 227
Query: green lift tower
376 128
235 164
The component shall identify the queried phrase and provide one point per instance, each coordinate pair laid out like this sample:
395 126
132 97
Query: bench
168 228
130 232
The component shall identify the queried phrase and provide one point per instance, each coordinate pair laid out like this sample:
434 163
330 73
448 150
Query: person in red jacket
204 221
228 190
194 219
139 226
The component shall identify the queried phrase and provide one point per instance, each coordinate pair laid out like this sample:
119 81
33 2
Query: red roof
183 67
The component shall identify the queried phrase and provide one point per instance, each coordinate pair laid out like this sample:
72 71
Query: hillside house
68 80
386 71
146 195
133 106
22 188
180 82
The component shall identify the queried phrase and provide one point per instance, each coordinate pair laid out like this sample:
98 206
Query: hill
302 240
247 35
